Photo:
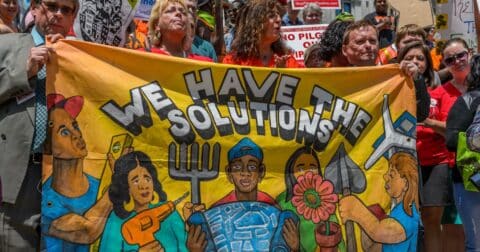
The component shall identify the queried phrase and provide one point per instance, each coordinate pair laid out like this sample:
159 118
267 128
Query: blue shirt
287 22
203 48
55 205
410 224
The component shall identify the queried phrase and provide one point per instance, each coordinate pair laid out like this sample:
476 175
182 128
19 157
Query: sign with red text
301 37
324 4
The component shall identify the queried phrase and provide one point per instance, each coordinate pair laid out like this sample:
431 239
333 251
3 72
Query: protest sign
418 12
263 149
144 9
455 18
104 22
300 37
324 4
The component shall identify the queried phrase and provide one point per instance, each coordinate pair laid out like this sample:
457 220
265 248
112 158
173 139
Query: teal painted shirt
171 235
307 227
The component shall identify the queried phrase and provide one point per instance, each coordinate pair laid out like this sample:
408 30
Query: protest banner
324 4
300 37
262 149
455 18
104 22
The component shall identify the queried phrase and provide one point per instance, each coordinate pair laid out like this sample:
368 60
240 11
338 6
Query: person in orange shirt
259 42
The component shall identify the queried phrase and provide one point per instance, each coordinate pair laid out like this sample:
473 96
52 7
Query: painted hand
154 246
348 208
196 239
291 235
189 208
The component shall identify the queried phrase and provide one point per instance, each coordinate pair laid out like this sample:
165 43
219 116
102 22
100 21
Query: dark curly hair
332 39
119 191
290 180
473 78
250 26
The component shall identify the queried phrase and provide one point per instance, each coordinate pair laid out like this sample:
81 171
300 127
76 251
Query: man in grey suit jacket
23 121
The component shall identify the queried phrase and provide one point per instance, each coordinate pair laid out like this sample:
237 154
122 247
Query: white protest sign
300 37
104 22
455 18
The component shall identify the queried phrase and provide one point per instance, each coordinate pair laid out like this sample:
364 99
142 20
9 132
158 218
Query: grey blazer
16 119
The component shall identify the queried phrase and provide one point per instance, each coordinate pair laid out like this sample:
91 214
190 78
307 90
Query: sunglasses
53 7
452 59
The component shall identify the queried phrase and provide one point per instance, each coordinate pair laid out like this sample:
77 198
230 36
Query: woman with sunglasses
434 158
258 41
460 117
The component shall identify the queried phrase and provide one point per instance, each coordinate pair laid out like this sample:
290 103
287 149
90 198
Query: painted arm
387 230
83 229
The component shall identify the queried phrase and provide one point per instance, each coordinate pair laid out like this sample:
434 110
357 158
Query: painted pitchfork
188 168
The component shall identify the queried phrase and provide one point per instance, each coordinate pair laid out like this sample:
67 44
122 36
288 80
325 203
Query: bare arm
387 230
437 126
83 229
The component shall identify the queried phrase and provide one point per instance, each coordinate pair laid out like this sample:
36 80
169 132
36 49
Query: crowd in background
444 73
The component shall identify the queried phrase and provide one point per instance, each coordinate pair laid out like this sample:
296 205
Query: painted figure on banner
305 160
68 189
142 219
399 230
245 208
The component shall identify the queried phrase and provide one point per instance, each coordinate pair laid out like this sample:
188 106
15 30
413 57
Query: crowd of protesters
446 76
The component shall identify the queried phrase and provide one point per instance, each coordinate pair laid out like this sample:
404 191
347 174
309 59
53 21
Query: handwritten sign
324 4
300 37
456 19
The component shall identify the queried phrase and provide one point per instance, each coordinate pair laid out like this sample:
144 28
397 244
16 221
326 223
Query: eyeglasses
53 7
452 59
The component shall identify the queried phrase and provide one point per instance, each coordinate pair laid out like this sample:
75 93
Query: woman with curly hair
258 40
135 188
332 42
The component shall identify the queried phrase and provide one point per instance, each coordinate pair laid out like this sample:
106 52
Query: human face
313 17
245 173
416 56
54 16
173 19
67 140
233 10
362 47
381 7
456 57
408 39
191 6
271 30
395 185
8 10
305 163
140 185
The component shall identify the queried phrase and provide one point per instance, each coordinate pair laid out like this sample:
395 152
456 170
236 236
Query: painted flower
314 198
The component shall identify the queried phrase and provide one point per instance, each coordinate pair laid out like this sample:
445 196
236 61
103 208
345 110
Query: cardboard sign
300 37
418 12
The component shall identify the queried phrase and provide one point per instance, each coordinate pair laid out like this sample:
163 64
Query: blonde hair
159 6
406 166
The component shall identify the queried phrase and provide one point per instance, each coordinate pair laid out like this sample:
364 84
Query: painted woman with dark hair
303 160
135 188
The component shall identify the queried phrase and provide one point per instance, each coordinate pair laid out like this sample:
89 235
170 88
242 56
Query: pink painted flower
313 197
